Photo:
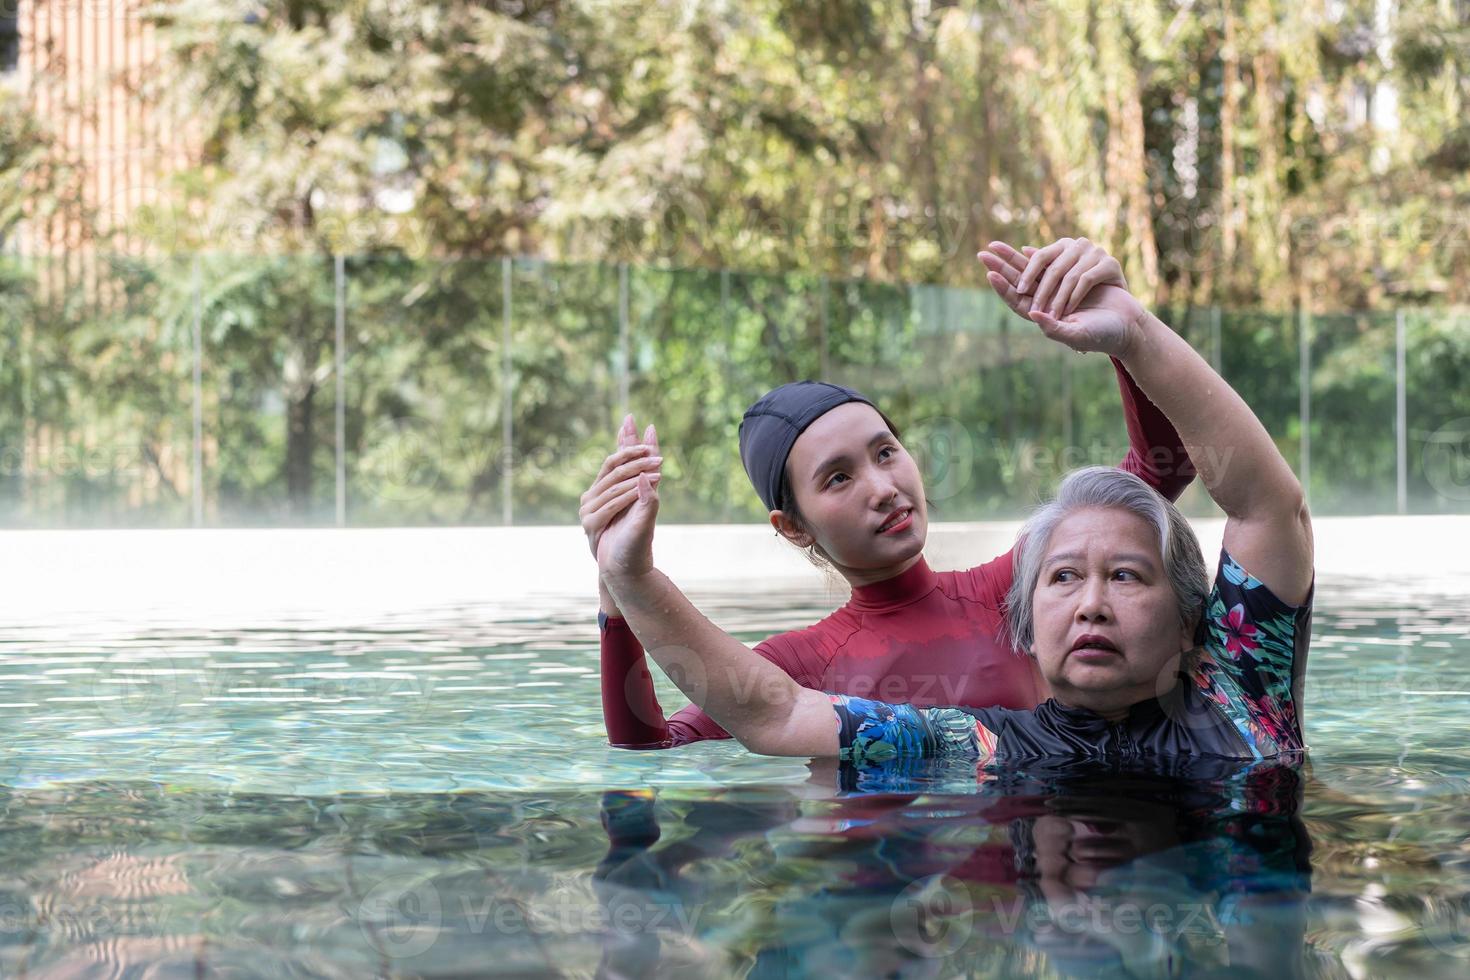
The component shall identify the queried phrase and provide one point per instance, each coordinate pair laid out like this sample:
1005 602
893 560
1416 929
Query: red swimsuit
923 637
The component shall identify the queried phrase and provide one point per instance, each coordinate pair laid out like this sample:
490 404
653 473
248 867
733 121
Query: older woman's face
1107 628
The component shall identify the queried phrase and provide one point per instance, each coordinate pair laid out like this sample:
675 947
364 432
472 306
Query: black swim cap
770 427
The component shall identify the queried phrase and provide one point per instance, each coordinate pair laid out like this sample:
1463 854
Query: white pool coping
218 578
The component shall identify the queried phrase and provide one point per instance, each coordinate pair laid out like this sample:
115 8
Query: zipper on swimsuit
1123 745
1224 722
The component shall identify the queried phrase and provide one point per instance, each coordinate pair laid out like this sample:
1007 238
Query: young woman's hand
1072 289
616 485
627 510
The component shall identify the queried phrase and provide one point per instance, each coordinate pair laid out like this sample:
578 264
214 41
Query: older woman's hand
1073 289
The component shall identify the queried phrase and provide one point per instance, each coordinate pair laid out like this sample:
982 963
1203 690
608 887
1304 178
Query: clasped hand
1072 289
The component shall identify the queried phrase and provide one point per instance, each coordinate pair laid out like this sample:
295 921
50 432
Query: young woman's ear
790 530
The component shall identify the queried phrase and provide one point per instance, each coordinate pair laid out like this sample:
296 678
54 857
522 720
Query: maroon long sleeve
1156 454
926 638
630 710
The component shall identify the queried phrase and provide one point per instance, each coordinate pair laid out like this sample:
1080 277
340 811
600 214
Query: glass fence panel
684 329
96 378
454 413
566 396
424 407
268 325
1353 444
1437 364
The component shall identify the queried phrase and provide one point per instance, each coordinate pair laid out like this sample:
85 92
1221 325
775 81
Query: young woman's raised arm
1268 529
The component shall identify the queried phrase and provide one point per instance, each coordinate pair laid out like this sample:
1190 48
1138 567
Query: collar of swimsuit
893 593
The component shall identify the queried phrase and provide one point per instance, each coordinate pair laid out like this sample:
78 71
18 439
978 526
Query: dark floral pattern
1239 634
1253 659
876 732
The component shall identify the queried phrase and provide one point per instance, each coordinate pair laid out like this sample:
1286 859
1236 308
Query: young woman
834 475
1146 662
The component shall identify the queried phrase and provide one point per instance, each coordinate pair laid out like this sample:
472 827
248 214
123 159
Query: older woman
1145 660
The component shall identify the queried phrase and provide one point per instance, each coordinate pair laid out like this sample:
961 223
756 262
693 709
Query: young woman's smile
899 521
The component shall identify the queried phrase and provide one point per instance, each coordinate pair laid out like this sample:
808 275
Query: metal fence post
340 276
1304 332
1215 340
1068 433
727 362
507 403
1401 428
825 325
196 463
623 399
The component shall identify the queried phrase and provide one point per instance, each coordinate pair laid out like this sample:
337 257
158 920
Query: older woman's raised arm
1064 290
1268 529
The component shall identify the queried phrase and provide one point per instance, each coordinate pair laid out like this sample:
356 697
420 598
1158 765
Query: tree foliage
721 197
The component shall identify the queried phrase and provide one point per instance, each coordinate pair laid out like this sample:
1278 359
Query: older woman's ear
1192 639
1201 625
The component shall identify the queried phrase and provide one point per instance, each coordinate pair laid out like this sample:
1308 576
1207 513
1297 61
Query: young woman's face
1107 628
859 492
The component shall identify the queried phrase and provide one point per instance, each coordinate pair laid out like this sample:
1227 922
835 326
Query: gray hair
1106 486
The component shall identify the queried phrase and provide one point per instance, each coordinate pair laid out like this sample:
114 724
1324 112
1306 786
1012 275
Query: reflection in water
1087 874
1171 877
1021 876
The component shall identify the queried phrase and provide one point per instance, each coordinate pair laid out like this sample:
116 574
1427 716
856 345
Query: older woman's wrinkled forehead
1108 534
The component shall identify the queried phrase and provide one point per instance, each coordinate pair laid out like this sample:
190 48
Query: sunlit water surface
435 798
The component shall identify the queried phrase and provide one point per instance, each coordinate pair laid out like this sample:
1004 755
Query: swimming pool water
435 798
